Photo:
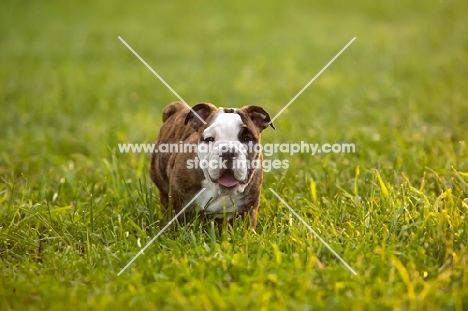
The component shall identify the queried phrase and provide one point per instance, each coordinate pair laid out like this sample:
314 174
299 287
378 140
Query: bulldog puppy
225 160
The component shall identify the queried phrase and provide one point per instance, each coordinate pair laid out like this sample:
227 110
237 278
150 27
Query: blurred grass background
70 91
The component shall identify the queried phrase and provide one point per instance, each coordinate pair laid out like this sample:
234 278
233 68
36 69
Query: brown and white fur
229 190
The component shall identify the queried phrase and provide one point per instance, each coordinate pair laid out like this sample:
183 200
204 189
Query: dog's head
228 143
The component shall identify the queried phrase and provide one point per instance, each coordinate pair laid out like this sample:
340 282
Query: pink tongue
228 180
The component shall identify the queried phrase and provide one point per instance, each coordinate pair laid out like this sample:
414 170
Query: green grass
74 211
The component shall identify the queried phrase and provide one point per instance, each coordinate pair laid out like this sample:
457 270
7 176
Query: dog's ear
198 114
259 116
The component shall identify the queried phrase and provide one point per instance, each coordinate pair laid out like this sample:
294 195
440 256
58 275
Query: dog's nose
228 158
227 151
229 155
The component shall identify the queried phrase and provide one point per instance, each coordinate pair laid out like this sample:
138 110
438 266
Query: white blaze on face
224 130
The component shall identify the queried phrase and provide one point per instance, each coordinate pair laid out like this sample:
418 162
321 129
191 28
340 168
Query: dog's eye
248 138
208 139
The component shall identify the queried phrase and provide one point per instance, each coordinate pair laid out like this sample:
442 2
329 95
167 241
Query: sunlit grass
74 211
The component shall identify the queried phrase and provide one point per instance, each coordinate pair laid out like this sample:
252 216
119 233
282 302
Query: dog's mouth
228 180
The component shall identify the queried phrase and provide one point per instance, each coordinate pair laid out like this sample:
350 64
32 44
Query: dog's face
228 144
